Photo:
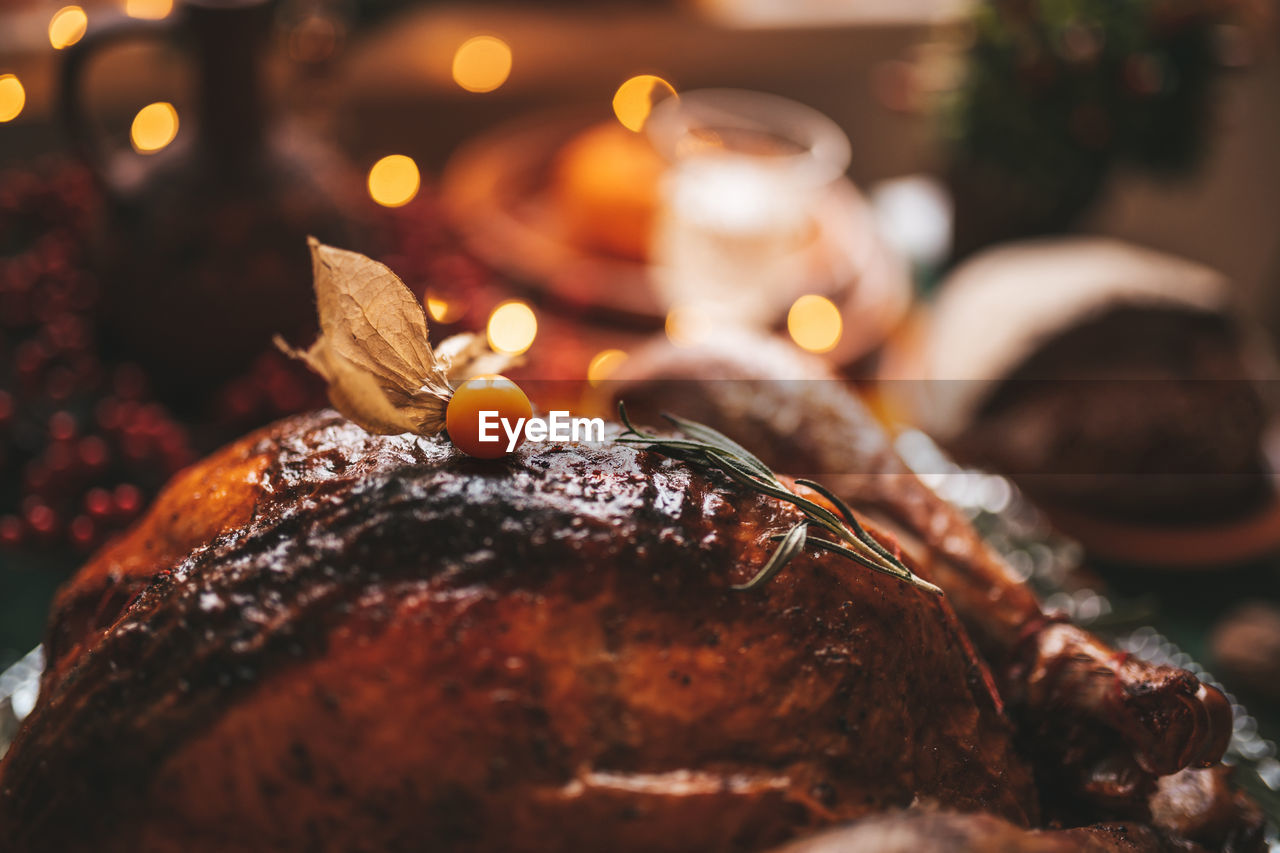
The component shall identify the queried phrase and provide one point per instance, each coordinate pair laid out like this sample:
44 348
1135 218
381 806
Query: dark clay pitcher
203 247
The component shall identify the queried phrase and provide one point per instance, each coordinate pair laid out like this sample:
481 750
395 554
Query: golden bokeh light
67 26
482 64
151 10
635 98
815 324
444 310
604 364
153 127
12 97
512 327
394 180
687 325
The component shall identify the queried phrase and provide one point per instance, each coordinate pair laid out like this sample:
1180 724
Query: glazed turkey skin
321 639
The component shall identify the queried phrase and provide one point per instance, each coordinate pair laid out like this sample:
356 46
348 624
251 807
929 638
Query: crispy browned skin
321 639
1202 806
1103 726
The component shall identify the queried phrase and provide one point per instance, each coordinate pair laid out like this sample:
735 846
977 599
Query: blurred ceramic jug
202 249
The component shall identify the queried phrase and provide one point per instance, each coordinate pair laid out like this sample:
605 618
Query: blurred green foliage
1055 93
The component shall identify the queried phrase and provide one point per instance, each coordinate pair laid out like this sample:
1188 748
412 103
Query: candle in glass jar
735 228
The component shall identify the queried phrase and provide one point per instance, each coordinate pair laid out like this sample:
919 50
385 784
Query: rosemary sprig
712 450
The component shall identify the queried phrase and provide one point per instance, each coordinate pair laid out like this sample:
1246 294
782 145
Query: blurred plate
1208 547
498 192
1253 535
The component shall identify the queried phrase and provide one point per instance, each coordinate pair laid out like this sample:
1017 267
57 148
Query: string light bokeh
512 327
604 364
154 127
636 97
482 63
150 10
814 323
67 26
13 97
394 180
687 325
444 310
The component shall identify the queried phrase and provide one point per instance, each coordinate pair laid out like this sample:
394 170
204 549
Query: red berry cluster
81 445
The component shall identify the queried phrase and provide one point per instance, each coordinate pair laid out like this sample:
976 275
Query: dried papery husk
373 349
466 355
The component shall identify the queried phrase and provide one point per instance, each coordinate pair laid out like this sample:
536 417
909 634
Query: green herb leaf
792 544
711 450
704 433
849 518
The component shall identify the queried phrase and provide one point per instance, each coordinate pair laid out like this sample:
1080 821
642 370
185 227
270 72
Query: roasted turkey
322 639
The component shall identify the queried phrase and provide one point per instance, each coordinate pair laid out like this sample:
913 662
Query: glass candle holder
735 230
